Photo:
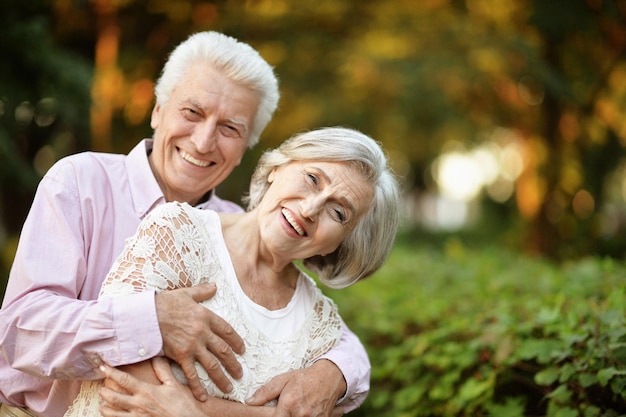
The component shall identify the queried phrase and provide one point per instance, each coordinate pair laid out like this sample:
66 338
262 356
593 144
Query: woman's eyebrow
342 199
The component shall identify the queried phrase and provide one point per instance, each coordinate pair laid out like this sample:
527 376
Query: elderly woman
326 197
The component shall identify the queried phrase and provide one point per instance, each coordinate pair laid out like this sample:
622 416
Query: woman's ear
270 177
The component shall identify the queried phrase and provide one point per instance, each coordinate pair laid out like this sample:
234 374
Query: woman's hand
139 398
128 396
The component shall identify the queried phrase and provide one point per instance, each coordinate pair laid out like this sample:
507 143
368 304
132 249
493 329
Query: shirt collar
145 189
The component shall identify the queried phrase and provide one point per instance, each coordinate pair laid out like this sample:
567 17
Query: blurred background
505 119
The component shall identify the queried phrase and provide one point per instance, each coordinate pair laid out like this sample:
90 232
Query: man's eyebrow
192 102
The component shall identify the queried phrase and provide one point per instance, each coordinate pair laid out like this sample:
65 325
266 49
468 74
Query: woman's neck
267 281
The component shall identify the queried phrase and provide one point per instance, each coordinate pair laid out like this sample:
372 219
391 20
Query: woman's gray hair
238 61
367 247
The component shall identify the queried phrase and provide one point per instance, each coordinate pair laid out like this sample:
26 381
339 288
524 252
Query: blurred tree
418 76
44 102
582 47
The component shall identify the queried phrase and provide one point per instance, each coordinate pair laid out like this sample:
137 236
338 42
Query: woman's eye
340 215
312 178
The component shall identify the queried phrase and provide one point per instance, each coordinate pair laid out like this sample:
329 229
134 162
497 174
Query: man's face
201 133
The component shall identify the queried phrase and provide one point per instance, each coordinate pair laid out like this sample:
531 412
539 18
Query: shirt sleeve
50 317
351 358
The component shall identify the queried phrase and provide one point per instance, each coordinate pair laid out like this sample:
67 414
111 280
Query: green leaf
474 388
592 411
567 372
539 349
605 375
587 379
561 395
512 407
547 376
565 412
618 385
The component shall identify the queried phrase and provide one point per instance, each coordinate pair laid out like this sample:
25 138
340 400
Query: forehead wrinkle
195 103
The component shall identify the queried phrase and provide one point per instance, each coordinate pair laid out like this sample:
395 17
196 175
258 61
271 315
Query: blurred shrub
461 332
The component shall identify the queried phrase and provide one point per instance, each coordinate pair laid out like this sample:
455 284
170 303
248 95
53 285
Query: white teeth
292 222
193 160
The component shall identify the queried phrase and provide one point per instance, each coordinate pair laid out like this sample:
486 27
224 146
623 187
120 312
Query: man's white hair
236 60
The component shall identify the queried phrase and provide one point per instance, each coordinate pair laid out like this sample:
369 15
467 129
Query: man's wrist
335 377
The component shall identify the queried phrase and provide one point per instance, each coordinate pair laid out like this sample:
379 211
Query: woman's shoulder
182 210
307 287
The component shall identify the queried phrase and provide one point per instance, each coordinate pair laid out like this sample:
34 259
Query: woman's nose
310 207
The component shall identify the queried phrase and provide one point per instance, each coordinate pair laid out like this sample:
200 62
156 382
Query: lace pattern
174 248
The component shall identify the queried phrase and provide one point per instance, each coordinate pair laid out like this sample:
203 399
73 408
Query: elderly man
213 100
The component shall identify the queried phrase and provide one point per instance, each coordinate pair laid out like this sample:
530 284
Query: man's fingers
219 342
219 348
219 326
194 334
269 391
201 292
193 380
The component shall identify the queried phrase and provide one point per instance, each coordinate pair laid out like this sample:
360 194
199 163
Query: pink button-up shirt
84 209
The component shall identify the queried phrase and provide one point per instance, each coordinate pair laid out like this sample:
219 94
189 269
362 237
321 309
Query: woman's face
311 207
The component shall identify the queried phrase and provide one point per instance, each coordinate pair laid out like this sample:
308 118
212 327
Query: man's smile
194 161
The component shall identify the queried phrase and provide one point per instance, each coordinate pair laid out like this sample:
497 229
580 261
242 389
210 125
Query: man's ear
154 119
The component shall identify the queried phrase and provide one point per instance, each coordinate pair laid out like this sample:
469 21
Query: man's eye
312 178
230 131
190 113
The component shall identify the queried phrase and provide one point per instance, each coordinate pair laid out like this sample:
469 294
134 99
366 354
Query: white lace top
179 246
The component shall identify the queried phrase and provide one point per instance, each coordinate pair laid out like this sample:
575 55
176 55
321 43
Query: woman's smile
292 222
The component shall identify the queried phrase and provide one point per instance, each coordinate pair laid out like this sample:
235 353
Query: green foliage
460 332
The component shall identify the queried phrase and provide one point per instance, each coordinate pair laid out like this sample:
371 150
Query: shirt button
142 352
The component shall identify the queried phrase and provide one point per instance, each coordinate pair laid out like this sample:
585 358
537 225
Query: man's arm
44 327
64 254
343 374
350 356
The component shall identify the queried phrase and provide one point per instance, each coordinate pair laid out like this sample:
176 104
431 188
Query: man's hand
310 392
137 398
193 333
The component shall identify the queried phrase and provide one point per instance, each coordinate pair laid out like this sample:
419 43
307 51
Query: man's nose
204 137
